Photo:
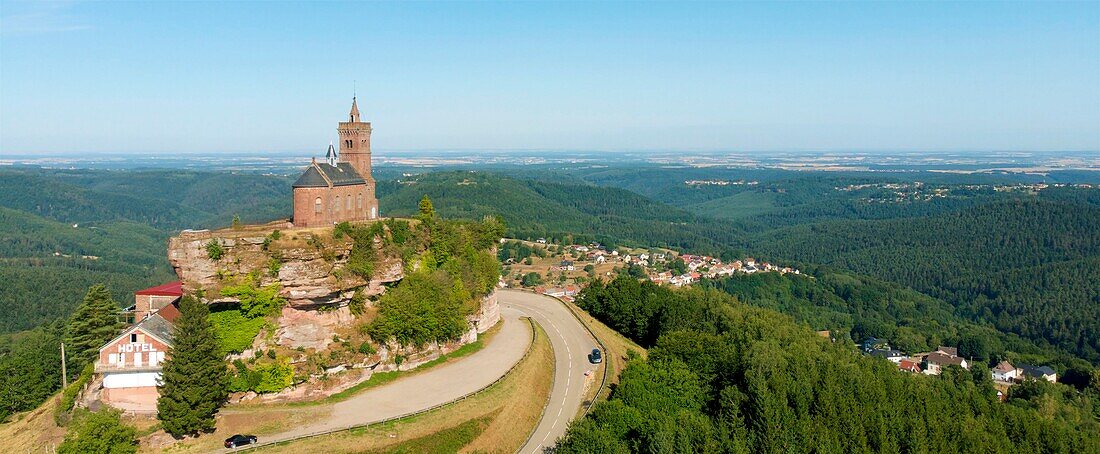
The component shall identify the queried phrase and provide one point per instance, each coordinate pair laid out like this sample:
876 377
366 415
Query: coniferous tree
194 378
94 323
427 211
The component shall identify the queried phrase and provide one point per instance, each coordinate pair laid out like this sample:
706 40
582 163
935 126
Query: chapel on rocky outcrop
341 188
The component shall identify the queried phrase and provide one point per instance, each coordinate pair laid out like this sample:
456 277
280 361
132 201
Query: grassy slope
33 430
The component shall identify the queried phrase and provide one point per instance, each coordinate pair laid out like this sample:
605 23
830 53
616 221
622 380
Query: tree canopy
723 376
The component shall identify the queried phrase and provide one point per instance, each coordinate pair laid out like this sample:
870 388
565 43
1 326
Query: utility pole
64 374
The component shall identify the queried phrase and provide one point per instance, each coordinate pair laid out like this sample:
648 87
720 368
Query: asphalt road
424 390
571 343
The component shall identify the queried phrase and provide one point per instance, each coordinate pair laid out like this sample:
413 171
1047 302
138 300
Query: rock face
487 315
310 329
308 263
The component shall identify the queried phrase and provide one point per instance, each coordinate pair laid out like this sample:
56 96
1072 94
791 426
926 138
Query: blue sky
740 77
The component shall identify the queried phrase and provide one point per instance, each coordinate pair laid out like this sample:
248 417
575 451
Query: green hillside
166 200
46 266
534 209
122 221
740 205
1031 267
722 376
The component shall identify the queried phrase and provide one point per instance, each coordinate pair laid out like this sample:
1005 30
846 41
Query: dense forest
1030 267
726 377
854 307
62 231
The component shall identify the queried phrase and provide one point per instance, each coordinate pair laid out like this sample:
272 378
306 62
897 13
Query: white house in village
1005 372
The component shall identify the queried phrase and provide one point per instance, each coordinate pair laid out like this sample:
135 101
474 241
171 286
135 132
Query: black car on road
239 440
595 357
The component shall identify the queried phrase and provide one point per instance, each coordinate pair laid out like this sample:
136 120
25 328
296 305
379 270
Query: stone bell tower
355 143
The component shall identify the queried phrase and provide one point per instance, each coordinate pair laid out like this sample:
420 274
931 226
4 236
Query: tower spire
354 116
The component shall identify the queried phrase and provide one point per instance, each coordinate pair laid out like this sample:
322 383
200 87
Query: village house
909 365
1038 373
567 292
130 364
1005 372
872 343
944 356
889 354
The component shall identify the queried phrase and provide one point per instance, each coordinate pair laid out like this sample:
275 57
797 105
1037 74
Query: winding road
571 343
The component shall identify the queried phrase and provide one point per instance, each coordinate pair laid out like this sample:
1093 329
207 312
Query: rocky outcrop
308 263
310 329
487 315
311 268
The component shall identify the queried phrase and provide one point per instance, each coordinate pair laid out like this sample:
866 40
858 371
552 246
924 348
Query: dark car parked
239 440
595 357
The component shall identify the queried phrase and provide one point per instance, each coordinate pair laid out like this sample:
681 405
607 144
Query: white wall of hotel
120 379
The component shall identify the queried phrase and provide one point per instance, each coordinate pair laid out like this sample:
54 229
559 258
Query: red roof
169 289
909 365
169 312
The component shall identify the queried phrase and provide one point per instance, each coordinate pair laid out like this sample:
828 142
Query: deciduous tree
101 432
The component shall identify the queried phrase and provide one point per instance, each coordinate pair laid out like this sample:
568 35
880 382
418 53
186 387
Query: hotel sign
132 347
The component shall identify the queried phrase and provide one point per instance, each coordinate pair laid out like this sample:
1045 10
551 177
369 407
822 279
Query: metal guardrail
319 433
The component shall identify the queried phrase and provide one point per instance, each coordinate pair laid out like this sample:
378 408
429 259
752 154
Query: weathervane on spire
354 115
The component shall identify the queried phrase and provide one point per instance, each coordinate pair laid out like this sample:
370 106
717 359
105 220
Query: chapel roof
319 174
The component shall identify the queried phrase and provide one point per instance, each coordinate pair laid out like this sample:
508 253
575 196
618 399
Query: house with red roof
909 365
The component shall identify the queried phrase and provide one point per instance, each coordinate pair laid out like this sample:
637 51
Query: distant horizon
176 77
456 151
